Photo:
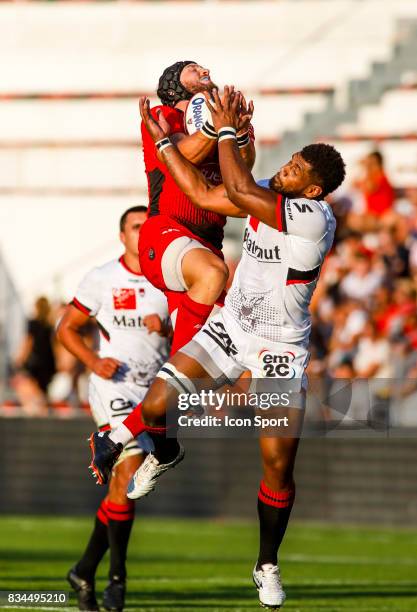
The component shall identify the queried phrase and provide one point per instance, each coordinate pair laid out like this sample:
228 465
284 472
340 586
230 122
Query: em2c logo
277 366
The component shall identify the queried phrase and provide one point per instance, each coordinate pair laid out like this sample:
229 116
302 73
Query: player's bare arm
68 332
247 152
188 178
194 147
237 178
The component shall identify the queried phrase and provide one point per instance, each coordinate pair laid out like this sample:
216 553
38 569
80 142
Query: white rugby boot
145 477
268 582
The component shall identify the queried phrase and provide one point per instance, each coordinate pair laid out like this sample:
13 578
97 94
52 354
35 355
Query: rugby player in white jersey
289 231
132 317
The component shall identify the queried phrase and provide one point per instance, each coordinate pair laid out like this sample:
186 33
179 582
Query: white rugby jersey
119 299
278 272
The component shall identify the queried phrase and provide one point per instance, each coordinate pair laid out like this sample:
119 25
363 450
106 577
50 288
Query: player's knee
279 469
121 477
216 274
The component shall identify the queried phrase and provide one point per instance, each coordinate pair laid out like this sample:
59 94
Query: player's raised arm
188 178
245 134
238 180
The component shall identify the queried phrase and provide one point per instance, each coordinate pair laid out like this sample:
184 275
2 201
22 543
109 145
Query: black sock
96 547
121 519
274 509
166 449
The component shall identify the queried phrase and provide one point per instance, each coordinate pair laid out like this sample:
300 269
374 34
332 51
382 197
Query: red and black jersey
166 198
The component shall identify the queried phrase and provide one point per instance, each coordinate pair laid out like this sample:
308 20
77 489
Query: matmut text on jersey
120 299
279 269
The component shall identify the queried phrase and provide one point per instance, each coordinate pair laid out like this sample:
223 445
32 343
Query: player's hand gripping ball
231 111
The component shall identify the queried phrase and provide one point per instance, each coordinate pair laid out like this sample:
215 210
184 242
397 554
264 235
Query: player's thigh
162 246
216 348
200 264
181 374
110 404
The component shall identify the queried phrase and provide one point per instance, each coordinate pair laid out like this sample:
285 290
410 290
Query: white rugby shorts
110 403
224 349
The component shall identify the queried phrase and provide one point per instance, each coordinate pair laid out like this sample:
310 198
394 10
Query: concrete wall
43 471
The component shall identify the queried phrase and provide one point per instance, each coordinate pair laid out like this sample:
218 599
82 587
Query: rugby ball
196 114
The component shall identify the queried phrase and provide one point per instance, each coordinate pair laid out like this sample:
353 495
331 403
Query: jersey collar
126 267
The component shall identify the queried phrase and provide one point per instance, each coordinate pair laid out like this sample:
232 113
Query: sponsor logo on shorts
218 333
151 254
277 366
120 403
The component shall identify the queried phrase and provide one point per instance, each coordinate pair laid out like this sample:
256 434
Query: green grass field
206 565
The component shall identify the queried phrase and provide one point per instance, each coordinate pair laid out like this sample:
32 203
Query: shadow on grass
245 596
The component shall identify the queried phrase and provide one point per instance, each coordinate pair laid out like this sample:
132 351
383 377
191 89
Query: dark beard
202 88
281 191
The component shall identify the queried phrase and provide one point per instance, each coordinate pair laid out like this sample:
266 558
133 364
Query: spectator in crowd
34 365
372 358
375 191
375 186
364 278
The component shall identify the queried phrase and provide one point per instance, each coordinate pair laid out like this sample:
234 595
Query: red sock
136 426
102 512
121 512
191 317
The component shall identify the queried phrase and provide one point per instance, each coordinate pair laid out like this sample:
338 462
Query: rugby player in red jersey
180 244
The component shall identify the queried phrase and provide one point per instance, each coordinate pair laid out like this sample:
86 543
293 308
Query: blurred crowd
364 309
43 374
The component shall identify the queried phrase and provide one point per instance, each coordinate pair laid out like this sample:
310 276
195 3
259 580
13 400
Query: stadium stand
69 143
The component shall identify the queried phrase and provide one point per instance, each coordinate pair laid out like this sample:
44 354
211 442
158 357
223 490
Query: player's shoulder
174 116
101 273
310 219
107 267
169 112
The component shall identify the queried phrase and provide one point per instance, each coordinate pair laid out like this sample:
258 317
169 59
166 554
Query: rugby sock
133 426
274 509
96 547
166 449
191 317
121 517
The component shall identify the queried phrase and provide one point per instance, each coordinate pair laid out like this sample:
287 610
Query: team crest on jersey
142 291
277 366
124 299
